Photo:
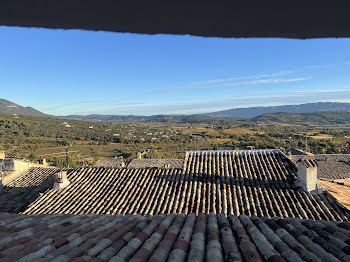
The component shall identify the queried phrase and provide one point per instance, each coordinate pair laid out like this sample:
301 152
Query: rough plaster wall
14 164
8 164
21 165
254 18
307 177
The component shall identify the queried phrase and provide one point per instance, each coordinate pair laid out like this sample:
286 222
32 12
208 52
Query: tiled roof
255 182
114 191
333 166
296 152
16 195
340 192
156 163
170 238
6 173
234 182
110 163
308 162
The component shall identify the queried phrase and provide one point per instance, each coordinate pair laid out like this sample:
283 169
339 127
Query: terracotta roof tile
5 173
340 192
330 166
156 163
291 241
16 195
333 166
276 241
254 182
110 163
229 243
176 237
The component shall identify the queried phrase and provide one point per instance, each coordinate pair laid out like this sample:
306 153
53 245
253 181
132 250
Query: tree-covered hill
195 118
318 118
34 137
7 107
302 108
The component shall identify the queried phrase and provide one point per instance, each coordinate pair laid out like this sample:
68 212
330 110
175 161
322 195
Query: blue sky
65 72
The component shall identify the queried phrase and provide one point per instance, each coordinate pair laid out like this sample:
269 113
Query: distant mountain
153 118
7 107
107 118
303 108
319 118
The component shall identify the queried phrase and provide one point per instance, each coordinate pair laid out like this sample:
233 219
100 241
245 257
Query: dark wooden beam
254 18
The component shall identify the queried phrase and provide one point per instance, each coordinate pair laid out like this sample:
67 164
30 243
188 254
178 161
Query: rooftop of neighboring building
156 163
259 182
119 162
333 166
329 166
23 190
340 191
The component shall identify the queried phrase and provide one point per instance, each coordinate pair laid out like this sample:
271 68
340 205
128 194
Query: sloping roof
340 192
156 163
234 182
6 173
296 152
110 163
335 166
296 19
16 195
262 182
170 238
308 162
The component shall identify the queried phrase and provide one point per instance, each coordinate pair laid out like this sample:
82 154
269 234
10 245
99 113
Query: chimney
139 155
122 161
61 181
43 162
307 174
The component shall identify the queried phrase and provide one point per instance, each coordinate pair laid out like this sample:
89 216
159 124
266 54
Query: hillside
7 107
302 108
153 118
274 114
319 118
33 137
107 118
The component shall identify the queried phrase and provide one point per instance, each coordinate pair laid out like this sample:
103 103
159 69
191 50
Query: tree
33 157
